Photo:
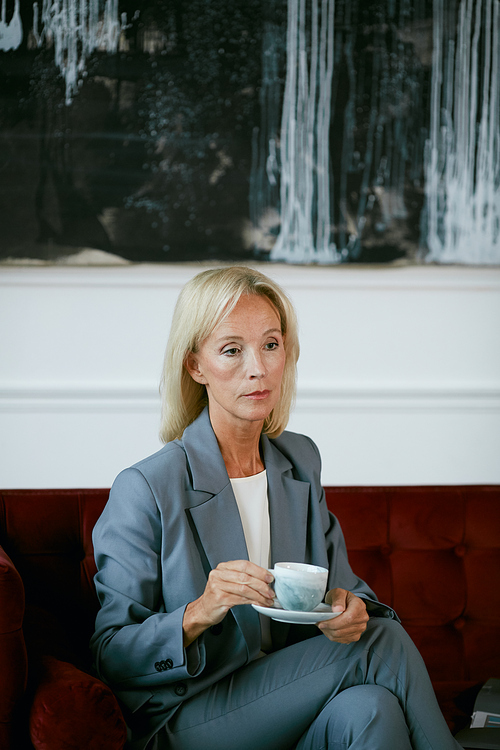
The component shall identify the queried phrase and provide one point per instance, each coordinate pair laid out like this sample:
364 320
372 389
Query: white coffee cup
299 586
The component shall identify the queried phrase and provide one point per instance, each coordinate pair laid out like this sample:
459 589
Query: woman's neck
240 449
242 464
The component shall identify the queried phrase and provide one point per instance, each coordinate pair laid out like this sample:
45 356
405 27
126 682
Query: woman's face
241 364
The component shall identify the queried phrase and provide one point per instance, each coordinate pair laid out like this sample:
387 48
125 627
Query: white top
251 496
253 505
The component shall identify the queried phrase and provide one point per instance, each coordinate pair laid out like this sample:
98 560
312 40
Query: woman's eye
272 345
231 352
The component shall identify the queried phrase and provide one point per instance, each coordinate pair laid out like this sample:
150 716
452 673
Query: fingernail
269 579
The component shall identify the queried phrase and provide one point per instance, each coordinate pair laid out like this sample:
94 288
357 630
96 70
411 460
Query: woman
185 541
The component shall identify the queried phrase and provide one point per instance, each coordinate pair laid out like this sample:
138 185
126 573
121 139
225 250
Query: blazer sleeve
341 573
136 642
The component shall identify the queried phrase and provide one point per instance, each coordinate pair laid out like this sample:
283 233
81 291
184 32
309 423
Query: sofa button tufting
180 689
386 549
460 550
459 623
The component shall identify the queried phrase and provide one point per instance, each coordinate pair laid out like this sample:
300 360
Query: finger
344 624
342 636
351 624
241 587
337 598
250 568
342 629
246 573
243 584
345 635
216 603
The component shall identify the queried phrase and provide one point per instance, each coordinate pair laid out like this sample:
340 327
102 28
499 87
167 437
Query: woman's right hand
229 584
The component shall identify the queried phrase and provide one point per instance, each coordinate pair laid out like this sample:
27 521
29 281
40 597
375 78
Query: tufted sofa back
433 553
48 535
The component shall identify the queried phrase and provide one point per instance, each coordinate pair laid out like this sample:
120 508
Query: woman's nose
256 365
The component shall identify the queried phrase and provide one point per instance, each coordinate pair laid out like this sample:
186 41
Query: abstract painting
296 131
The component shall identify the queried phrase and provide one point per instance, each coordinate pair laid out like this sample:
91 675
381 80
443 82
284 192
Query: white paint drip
463 151
305 234
264 175
76 29
11 34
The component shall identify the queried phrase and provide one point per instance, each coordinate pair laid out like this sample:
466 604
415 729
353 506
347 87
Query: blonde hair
202 304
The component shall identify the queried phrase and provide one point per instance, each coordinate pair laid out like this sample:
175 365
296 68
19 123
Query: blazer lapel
215 514
219 528
288 506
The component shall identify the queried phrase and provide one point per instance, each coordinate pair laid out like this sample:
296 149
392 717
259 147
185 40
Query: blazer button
180 689
162 666
216 629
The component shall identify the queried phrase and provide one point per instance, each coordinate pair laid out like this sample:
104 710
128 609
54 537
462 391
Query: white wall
399 376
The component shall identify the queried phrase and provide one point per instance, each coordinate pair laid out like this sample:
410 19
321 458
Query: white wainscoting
399 376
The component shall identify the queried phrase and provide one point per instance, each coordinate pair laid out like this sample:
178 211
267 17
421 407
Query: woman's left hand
351 624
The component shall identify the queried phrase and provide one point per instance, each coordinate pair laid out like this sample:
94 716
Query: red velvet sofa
433 553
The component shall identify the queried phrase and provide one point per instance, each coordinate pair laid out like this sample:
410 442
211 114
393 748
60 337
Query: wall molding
79 398
166 276
311 398
397 397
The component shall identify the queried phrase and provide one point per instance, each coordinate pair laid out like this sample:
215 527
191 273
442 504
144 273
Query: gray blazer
169 520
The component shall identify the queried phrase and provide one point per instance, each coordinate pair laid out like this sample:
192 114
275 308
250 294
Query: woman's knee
358 715
365 702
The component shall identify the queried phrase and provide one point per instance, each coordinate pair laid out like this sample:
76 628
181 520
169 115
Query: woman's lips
257 395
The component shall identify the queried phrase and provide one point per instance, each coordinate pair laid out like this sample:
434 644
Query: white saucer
295 617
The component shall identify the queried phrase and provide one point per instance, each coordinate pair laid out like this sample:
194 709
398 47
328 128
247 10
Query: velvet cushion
72 710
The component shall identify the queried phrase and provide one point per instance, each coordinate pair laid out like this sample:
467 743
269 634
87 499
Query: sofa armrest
74 709
13 658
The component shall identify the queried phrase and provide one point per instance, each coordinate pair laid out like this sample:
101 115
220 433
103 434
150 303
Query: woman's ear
192 366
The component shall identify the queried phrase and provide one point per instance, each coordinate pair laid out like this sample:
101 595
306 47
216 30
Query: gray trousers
371 695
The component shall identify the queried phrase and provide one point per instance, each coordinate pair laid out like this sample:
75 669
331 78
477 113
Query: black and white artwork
296 131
